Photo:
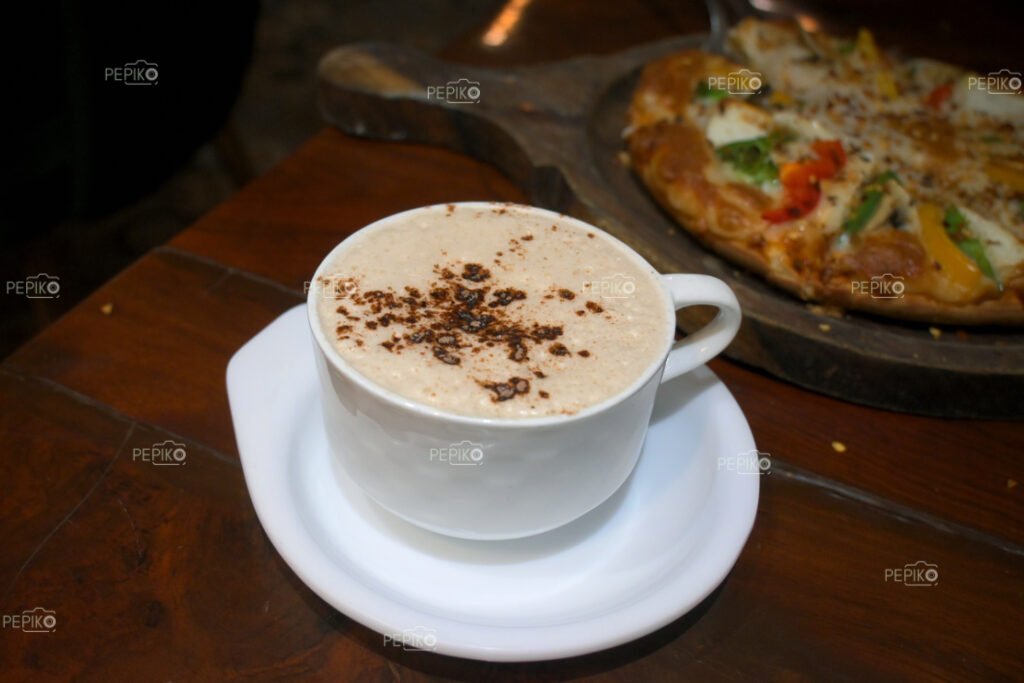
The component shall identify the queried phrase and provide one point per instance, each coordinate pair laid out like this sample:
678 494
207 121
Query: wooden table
164 573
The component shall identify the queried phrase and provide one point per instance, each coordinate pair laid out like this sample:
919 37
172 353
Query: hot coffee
494 312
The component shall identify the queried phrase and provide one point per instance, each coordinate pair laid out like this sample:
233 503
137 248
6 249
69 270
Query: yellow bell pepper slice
1007 175
957 267
868 49
866 45
779 97
886 84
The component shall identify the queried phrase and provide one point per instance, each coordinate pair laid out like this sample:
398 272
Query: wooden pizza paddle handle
525 120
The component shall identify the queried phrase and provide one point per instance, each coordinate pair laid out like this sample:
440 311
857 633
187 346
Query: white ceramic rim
367 384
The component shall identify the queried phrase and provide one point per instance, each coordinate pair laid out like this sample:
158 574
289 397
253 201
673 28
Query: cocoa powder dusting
474 272
503 391
558 349
461 313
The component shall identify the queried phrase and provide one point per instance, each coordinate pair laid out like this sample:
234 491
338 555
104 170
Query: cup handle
710 340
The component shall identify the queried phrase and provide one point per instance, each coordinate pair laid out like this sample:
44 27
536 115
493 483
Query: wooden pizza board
556 129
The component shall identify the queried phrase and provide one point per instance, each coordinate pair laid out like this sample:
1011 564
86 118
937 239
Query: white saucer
641 560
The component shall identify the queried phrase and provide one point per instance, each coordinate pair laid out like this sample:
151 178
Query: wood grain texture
163 573
55 450
282 225
960 471
160 356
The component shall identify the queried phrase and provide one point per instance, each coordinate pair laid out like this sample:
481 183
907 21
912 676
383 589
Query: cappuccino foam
493 312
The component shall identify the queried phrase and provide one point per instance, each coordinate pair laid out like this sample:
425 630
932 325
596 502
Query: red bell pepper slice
801 181
938 96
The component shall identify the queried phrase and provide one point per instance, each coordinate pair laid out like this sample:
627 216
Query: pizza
841 174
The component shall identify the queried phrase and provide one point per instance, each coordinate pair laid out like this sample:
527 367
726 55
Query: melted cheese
1003 107
738 122
810 129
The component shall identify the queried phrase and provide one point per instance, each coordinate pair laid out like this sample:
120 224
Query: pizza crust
678 166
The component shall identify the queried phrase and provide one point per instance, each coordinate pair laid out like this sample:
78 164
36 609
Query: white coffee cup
517 477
